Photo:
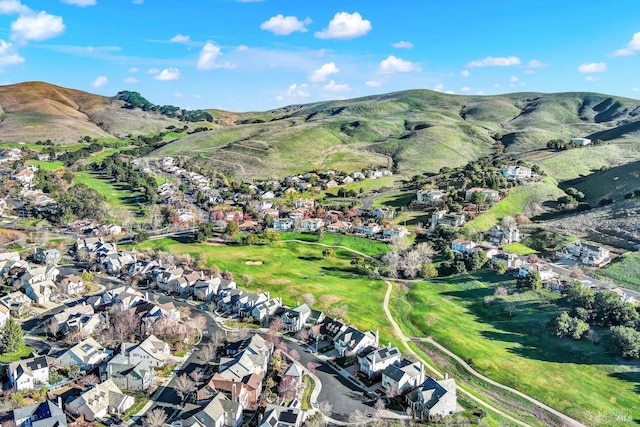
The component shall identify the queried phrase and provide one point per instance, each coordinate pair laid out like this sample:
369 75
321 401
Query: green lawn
22 353
117 194
396 200
47 166
290 270
519 248
575 377
370 247
624 271
368 185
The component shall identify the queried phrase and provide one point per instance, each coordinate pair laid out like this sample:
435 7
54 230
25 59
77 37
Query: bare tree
309 299
90 379
196 376
182 386
303 334
217 338
379 407
155 418
509 221
393 262
325 407
392 389
294 355
276 325
501 291
311 367
411 264
356 417
288 387
247 279
339 312
207 353
202 260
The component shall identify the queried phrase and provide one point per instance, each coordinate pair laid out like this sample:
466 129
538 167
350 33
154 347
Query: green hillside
413 131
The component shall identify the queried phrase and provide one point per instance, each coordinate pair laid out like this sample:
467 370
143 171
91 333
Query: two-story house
100 401
374 360
295 318
152 349
28 374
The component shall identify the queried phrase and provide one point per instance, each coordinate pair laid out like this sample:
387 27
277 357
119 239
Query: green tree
627 340
579 295
476 260
577 328
328 253
268 220
232 228
428 270
531 281
251 239
12 337
204 232
610 310
560 325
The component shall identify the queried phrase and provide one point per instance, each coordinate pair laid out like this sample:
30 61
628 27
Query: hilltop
35 111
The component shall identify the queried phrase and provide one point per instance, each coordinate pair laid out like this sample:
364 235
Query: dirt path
406 340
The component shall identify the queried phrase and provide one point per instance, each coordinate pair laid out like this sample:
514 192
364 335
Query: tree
12 337
155 418
309 299
251 239
578 295
276 325
476 260
531 281
356 417
182 386
428 270
232 228
328 253
611 310
325 407
627 340
201 260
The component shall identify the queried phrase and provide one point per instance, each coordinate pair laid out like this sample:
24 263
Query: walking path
405 341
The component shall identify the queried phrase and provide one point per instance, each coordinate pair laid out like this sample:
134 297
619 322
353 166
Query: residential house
447 219
100 401
263 311
115 263
545 271
327 329
219 412
489 194
500 235
581 141
45 414
509 260
305 203
17 303
68 319
295 319
283 224
367 230
351 341
86 354
339 227
311 224
47 256
72 285
382 213
586 253
396 232
128 375
434 398
40 274
463 246
401 376
205 289
516 172
374 360
40 292
5 314
152 349
429 196
25 177
163 277
28 374
290 415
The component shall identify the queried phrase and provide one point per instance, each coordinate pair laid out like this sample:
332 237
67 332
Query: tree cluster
120 171
135 100
80 201
407 262
11 339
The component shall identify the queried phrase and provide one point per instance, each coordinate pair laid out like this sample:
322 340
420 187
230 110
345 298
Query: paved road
344 396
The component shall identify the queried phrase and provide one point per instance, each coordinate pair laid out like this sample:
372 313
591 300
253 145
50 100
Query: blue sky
256 55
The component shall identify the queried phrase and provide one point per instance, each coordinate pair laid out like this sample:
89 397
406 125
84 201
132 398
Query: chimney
60 402
123 349
446 376
388 345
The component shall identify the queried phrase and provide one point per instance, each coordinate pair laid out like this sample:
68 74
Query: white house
5 314
587 253
28 374
219 412
463 246
395 232
402 376
86 354
130 376
311 224
373 360
545 271
100 401
516 172
152 349
45 414
283 416
429 196
295 318
368 230
434 398
339 227
490 195
499 234
351 341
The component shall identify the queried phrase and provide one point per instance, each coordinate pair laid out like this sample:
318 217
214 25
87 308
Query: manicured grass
117 194
309 385
624 271
519 248
290 270
396 200
368 185
140 400
22 353
369 247
515 203
47 166
575 377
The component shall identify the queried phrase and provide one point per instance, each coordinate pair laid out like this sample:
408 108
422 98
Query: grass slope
575 377
624 271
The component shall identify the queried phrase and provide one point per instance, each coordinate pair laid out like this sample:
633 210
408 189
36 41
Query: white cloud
137 1
37 27
534 63
513 79
208 56
295 91
464 73
131 80
591 79
632 47
242 48
403 45
635 89
465 89
491 61
439 87
593 67
284 25
334 87
179 38
345 26
373 83
153 71
168 74
178 94
81 3
396 65
323 73
133 70
100 81
8 56
12 7
450 92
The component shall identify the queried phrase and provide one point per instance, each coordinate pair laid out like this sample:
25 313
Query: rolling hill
414 131
35 111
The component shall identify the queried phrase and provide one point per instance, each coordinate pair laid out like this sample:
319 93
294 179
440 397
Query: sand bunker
254 262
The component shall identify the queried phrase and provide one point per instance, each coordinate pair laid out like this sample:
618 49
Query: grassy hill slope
414 131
